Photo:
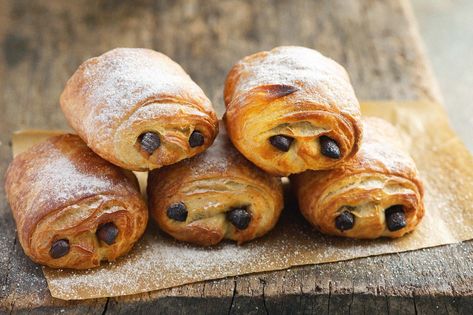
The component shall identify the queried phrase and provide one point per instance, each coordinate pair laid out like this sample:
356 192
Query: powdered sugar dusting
63 180
299 67
120 79
290 65
143 269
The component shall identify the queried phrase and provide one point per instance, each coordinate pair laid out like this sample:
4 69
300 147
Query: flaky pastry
73 209
292 109
213 196
138 109
377 193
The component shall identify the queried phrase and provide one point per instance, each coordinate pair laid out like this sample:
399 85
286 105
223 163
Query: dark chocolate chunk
196 139
59 248
240 218
329 147
345 221
281 142
108 233
177 211
279 90
395 218
149 142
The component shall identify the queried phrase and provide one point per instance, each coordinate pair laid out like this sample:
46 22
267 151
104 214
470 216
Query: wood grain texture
42 43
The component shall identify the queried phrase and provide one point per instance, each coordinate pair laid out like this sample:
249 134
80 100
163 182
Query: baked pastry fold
138 109
213 196
292 109
377 193
72 209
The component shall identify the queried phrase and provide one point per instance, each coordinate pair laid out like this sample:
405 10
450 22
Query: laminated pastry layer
214 196
292 109
138 109
378 194
363 205
73 209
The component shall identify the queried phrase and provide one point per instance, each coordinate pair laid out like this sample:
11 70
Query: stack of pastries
289 112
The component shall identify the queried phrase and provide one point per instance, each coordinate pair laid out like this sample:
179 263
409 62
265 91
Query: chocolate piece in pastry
213 196
138 109
377 193
292 109
73 209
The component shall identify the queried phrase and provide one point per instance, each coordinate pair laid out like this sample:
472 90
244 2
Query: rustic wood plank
41 44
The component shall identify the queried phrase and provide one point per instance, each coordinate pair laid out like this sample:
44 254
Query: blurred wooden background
42 43
446 27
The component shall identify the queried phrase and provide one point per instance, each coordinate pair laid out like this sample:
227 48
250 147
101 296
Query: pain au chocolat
138 109
292 109
214 196
73 209
377 193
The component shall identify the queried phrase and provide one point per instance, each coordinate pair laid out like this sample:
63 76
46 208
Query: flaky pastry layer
380 177
113 99
60 190
294 92
210 186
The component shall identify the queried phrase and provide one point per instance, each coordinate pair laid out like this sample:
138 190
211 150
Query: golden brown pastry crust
209 185
114 98
381 175
297 92
60 189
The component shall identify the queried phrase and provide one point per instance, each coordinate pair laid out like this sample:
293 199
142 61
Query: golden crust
114 98
211 184
292 91
60 189
381 175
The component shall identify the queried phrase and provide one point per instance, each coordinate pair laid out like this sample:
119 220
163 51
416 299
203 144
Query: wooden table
43 42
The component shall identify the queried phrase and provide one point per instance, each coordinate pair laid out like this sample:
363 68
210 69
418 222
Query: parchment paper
158 262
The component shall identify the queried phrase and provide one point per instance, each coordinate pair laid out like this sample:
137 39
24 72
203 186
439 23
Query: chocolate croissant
292 109
138 109
72 209
213 196
377 193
